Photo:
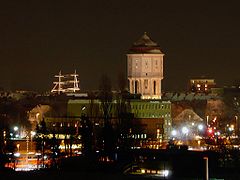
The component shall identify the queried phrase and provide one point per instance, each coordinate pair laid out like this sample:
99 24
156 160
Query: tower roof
145 45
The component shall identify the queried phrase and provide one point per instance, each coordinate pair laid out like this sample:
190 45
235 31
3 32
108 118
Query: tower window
154 87
136 87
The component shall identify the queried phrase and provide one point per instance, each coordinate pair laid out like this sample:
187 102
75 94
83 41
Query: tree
106 95
87 135
41 132
55 150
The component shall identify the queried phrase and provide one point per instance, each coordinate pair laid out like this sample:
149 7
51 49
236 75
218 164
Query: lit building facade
201 85
145 68
152 117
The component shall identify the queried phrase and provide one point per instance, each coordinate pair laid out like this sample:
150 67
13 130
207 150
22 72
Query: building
147 120
151 118
145 68
202 85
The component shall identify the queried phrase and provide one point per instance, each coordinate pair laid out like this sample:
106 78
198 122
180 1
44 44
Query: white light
17 154
185 130
33 133
165 173
200 127
15 128
217 133
174 132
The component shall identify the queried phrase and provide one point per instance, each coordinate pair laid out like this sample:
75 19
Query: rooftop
145 45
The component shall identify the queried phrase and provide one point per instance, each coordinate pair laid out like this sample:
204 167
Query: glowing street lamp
16 131
15 128
200 127
207 120
174 132
185 130
33 133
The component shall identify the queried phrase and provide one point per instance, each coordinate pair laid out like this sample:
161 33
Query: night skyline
39 39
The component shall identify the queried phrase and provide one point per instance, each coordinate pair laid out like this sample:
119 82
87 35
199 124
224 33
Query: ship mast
67 83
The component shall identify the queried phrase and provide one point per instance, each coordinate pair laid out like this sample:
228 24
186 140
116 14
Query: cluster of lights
162 173
15 132
185 130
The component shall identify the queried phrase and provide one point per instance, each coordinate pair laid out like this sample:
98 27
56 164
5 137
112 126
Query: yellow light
154 171
33 133
199 142
142 171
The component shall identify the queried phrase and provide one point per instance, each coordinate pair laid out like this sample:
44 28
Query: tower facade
145 68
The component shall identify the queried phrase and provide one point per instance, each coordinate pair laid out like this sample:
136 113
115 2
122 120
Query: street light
206 168
207 120
27 140
174 132
33 133
185 130
200 127
15 128
16 131
185 133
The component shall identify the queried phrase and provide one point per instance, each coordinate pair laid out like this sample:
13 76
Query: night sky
39 38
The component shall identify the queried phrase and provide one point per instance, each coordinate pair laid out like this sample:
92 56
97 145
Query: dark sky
39 38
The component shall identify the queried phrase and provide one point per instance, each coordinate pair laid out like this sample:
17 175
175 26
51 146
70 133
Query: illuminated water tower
145 68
